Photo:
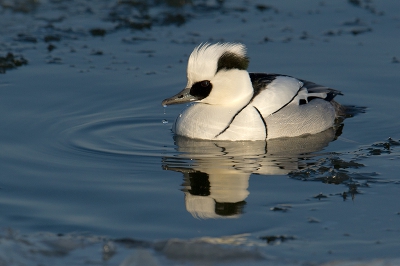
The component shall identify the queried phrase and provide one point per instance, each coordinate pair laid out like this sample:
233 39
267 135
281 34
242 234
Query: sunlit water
87 152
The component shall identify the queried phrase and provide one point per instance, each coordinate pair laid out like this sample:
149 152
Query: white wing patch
279 93
294 120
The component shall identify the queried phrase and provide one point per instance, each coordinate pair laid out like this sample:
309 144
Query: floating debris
281 208
22 37
138 39
267 39
355 22
54 60
366 4
338 170
11 61
97 52
354 31
331 33
51 47
98 32
20 6
357 31
52 38
320 196
313 220
261 7
276 240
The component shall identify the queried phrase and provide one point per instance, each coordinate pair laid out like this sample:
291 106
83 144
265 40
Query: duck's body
233 104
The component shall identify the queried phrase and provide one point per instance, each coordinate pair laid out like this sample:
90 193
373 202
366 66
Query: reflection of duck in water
217 194
216 173
235 105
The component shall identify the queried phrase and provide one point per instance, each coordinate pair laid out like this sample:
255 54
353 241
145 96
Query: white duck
232 104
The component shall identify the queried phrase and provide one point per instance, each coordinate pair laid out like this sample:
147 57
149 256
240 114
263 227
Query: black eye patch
201 89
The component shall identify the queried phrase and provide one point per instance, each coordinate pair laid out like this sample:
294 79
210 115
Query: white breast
203 121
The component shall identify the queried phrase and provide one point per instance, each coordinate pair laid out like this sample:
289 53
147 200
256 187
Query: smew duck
233 104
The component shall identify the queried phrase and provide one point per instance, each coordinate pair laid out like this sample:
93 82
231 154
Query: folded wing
273 92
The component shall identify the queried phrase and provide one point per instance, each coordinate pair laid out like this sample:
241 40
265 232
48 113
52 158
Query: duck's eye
205 83
201 89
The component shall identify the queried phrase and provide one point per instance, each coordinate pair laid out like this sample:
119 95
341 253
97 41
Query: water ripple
119 136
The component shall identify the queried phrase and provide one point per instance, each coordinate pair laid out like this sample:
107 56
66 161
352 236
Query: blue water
86 147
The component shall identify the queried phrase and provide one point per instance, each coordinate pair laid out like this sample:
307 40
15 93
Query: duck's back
305 107
296 120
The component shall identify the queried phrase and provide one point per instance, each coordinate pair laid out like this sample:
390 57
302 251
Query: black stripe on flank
287 102
230 122
262 119
262 80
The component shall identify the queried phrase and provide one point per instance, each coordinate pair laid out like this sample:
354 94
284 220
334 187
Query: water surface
91 172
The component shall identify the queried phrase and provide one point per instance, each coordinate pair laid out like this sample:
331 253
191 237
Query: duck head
217 75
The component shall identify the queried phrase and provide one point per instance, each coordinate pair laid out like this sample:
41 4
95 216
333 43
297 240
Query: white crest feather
203 61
